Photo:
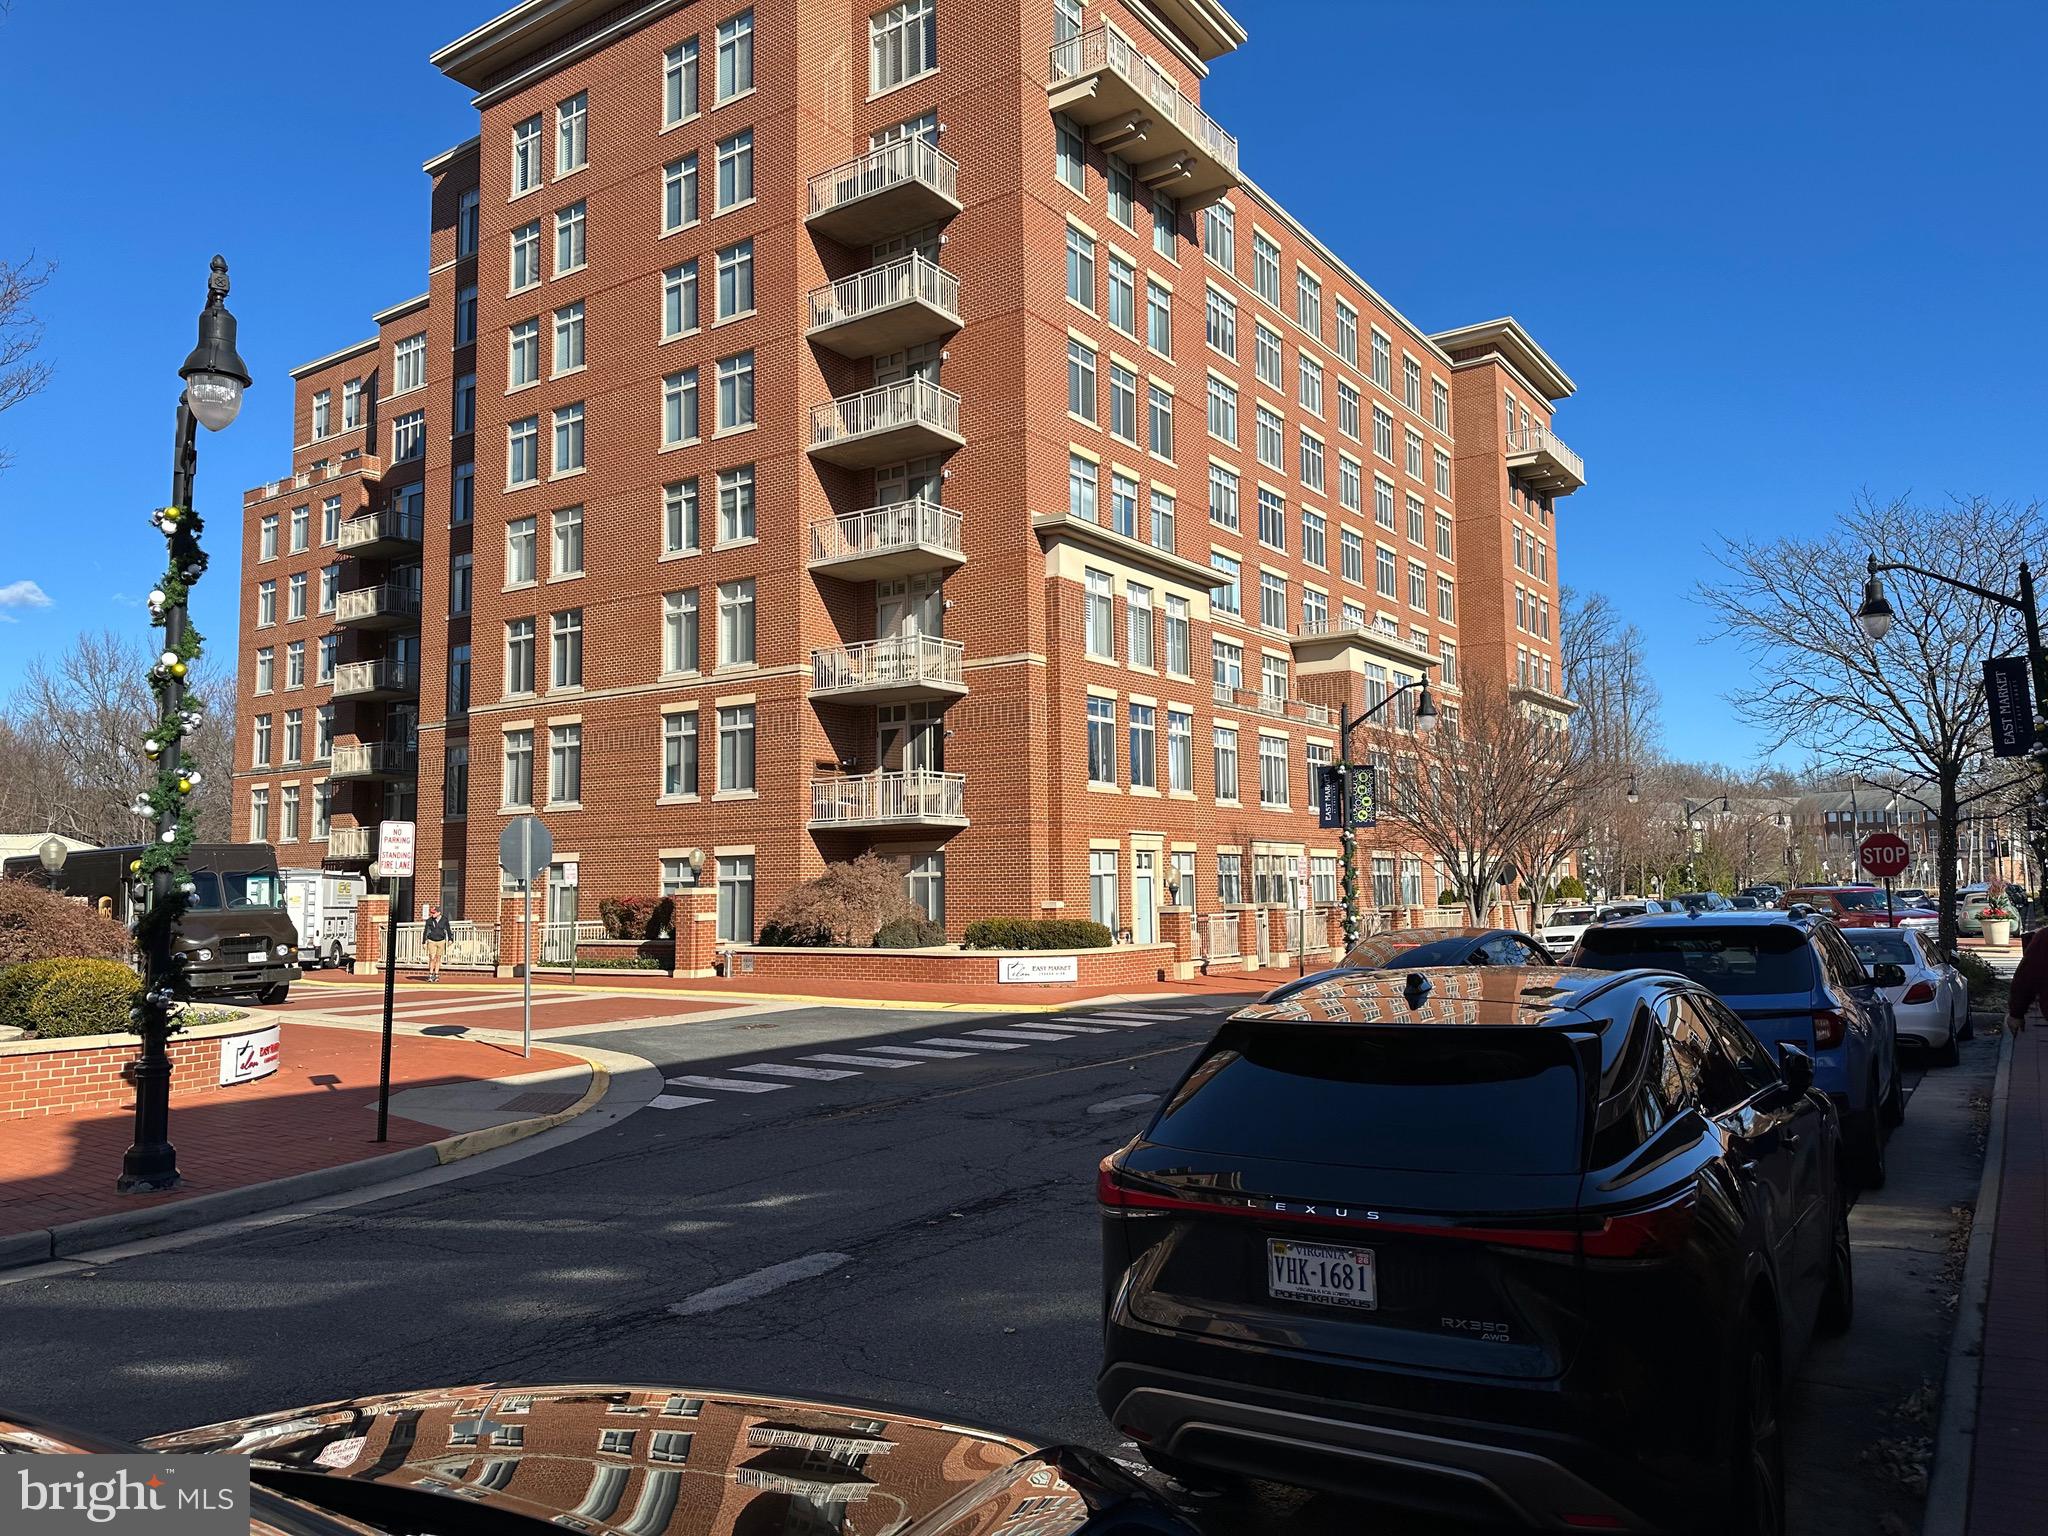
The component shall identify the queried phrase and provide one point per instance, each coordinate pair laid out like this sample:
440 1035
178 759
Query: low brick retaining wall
62 1077
1122 965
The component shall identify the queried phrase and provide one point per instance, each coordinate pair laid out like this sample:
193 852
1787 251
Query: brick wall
1130 965
62 1077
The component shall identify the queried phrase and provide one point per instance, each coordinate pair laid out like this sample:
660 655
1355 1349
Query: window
1081 381
1384 579
1229 879
1163 507
571 249
736 623
302 529
565 764
1158 318
523 258
1220 322
670 1445
1347 409
465 404
409 435
1099 615
323 412
519 640
1447 652
1272 518
1224 596
679 194
1144 723
679 517
1315 611
1219 235
296 591
1222 410
1223 488
736 170
526 155
735 280
518 778
1411 383
679 83
1123 202
735 750
1226 666
679 754
289 829
330 520
1101 741
1178 653
1138 626
467 208
1312 461
679 631
679 408
330 587
266 602
1347 333
259 815
1266 269
736 392
1273 770
458 679
1080 268
1159 420
568 549
351 405
1443 473
1418 586
455 782
903 43
1123 295
330 655
1351 555
736 504
1417 520
679 301
736 898
1382 359
1180 752
1308 302
735 58
1310 391
1082 487
1313 548
259 748
1350 483
1440 405
295 664
1446 600
1266 354
1166 225
569 439
1226 763
1102 886
1270 443
1383 433
522 451
1123 504
522 354
1383 502
266 540
1273 600
1070 154
1123 403
1413 454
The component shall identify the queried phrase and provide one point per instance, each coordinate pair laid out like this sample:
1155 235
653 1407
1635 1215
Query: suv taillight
1919 992
1828 1029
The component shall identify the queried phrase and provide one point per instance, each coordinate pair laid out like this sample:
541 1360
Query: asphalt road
921 1235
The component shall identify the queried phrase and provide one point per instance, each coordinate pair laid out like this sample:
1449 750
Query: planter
1997 932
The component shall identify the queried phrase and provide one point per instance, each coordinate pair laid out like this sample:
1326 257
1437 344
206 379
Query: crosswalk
835 1066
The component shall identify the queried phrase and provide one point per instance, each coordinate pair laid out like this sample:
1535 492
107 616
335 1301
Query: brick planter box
89 1072
661 951
1121 965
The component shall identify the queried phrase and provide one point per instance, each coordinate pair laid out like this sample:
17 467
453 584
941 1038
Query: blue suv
1792 979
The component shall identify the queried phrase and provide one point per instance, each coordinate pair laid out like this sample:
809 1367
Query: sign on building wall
1028 968
244 1058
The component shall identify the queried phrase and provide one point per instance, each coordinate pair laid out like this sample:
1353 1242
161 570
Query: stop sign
1884 854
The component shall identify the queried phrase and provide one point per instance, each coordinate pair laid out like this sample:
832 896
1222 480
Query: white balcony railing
1542 443
1276 705
1102 48
362 759
899 528
908 279
901 661
883 799
387 526
381 676
913 402
384 601
882 170
351 842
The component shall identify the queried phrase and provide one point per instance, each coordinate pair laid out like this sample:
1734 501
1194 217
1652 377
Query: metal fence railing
471 946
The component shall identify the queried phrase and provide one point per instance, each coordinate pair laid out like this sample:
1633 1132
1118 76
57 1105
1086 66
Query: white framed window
295 664
679 517
1224 596
323 412
679 767
351 405
259 814
296 594
1144 746
735 56
1219 322
1070 154
736 170
1272 518
1159 318
522 451
1223 496
1310 385
1219 235
569 353
266 537
1411 383
567 553
1099 616
330 520
523 260
1082 383
519 656
1350 483
1308 301
1440 405
1081 268
1383 432
735 755
565 765
1268 360
1347 409
1222 410
1101 741
1270 442
259 742
409 364
903 44
1123 295
330 587
522 353
1138 625
565 649
679 194
468 221
1351 555
1225 743
1123 403
1314 539
1180 751
1265 269
409 435
679 312
1384 569
1123 201
1273 770
569 439
1311 461
1347 332
572 134
1179 655
679 414
679 632
1083 486
736 623
1159 420
679 86
736 391
736 504
517 783
735 883
571 246
1382 359
735 280
1166 226
526 171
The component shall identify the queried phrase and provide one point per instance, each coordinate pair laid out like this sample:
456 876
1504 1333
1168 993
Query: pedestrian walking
2029 982
435 933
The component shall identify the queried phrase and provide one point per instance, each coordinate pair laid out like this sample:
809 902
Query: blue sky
1789 251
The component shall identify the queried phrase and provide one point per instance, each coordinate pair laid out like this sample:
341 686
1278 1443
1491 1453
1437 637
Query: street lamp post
215 378
53 851
1874 617
1347 835
1692 829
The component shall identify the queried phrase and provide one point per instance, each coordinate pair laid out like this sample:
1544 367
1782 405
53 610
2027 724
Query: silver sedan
1932 1006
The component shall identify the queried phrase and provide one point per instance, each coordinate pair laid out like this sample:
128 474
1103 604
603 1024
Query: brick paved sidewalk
2009 1457
309 1114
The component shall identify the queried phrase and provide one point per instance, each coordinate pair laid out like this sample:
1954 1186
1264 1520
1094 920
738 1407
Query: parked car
1702 901
1422 1238
1766 892
321 904
1794 981
689 1461
1745 903
1561 930
1917 895
1932 1002
1864 906
1412 948
1971 901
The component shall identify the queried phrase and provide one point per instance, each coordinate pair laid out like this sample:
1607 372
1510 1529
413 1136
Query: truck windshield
251 891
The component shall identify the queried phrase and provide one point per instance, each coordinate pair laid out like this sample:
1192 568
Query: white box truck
322 907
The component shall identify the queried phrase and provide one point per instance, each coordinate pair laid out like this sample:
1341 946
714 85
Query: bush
37 924
637 917
17 982
1037 933
847 904
1982 979
913 932
793 936
74 997
1569 888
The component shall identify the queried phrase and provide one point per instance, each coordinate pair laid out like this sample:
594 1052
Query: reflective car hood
662 1461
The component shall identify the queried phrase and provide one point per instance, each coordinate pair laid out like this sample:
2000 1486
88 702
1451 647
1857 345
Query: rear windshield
1564 915
1874 946
1735 962
234 893
1860 901
1410 1100
1397 954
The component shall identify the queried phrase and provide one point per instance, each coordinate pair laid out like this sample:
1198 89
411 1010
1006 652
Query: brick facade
85 1073
959 651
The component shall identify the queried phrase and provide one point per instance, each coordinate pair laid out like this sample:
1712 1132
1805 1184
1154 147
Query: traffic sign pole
395 845
524 849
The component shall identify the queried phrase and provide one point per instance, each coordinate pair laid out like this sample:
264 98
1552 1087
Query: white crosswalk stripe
1133 1018
921 1054
863 1061
780 1069
673 1101
1014 1034
977 1045
726 1084
1063 1027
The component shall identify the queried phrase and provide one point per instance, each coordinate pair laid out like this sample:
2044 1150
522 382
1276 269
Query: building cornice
400 310
450 156
332 358
1557 703
1519 348
1055 527
1208 30
547 32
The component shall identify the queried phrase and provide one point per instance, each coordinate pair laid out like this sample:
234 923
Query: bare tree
1607 674
1914 702
22 374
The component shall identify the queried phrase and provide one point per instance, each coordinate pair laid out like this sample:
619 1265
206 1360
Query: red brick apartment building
834 425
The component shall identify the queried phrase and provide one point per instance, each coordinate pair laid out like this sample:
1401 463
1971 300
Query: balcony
892 671
905 420
916 799
1542 462
371 680
386 606
888 191
890 308
1133 107
352 844
389 532
372 760
1273 705
901 539
1327 636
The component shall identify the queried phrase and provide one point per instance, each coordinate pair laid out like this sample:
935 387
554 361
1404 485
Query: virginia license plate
1338 1277
255 957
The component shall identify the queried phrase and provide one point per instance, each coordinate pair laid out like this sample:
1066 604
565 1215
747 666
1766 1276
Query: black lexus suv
1502 1242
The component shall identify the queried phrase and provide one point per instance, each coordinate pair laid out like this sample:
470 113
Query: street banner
2012 705
1365 796
1330 796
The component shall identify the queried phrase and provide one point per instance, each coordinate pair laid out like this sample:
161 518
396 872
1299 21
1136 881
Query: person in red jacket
2029 982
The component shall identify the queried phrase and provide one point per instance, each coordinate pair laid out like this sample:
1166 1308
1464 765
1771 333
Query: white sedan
1561 930
1933 1005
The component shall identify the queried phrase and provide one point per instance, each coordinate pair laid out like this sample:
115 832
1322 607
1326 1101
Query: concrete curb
95 1232
1948 1488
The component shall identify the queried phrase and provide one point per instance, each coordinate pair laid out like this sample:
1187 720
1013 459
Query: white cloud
21 594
